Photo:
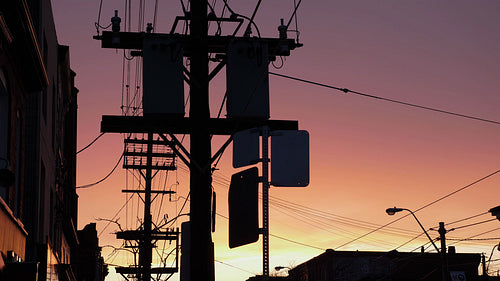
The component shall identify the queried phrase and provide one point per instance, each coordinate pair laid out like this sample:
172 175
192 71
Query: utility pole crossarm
155 235
176 125
138 270
216 44
152 191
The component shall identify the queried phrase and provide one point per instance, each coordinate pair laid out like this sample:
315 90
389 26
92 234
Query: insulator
282 30
115 22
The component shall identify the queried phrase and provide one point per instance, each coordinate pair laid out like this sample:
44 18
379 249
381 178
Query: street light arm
421 226
392 211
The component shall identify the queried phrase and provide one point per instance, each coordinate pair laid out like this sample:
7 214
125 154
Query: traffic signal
243 208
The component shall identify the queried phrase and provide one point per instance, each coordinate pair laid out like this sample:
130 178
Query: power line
407 242
472 224
254 13
336 230
474 239
91 143
345 90
294 14
458 190
473 236
325 215
242 16
103 179
317 215
155 13
423 207
118 212
468 218
298 243
239 268
372 231
283 238
324 220
424 245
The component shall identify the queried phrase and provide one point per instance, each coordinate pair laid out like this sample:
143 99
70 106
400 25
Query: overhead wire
467 218
458 190
472 224
106 177
116 214
184 10
321 219
155 13
332 217
473 236
345 90
242 16
330 228
333 221
456 239
219 30
236 267
474 239
296 242
99 17
97 24
425 246
419 209
252 18
91 143
294 14
283 238
409 241
297 33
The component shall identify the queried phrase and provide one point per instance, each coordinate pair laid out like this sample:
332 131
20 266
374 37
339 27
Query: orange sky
366 154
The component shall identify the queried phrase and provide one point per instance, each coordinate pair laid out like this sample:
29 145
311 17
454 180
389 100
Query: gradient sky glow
366 154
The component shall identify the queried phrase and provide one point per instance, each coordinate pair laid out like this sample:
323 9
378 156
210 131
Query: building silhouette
38 127
385 266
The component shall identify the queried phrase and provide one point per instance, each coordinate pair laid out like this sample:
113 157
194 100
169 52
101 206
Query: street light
392 211
495 212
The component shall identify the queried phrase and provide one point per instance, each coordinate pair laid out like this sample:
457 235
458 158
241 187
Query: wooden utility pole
444 257
145 236
145 250
201 267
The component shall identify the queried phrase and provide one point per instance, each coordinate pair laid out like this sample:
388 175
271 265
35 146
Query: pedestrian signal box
243 208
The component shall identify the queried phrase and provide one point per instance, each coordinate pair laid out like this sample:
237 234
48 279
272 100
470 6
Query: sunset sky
366 154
